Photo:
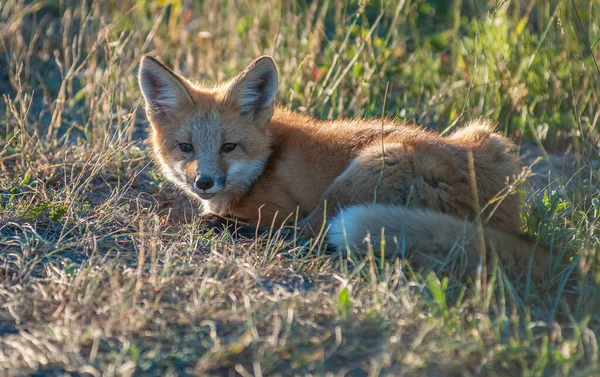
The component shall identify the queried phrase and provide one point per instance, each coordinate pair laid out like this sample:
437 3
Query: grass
106 270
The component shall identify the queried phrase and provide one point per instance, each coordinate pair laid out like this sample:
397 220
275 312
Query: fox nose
204 183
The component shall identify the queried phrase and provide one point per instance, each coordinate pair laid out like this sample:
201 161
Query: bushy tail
427 236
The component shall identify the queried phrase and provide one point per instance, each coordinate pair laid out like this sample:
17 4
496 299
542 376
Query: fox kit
241 155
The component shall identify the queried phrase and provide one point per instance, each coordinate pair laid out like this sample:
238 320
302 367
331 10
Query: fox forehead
195 126
207 128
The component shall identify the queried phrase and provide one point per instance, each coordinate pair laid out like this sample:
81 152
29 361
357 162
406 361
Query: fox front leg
237 227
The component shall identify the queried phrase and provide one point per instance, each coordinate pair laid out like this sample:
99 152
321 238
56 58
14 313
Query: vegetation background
106 270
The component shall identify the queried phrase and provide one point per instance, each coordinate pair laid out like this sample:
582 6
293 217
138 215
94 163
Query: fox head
212 142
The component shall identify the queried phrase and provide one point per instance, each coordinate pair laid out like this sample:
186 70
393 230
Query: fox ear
164 91
252 92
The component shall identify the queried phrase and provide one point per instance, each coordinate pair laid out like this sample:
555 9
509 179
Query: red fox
243 156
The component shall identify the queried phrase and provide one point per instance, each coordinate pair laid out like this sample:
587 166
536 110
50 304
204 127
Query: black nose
204 183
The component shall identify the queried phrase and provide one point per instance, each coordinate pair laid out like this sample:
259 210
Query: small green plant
107 269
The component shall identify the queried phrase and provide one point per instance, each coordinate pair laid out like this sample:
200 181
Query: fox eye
228 147
186 148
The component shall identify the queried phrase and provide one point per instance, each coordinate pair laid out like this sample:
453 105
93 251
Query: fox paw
238 228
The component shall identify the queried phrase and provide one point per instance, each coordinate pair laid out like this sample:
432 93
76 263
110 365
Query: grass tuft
105 269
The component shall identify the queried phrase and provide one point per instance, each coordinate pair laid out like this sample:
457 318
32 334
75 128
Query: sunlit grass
107 270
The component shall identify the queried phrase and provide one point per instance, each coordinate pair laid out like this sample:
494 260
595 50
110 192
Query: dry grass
106 270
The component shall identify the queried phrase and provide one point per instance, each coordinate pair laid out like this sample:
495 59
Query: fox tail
426 236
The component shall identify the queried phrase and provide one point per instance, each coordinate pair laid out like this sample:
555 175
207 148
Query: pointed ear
252 92
165 92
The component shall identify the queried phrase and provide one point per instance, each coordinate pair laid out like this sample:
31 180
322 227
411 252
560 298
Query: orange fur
285 162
